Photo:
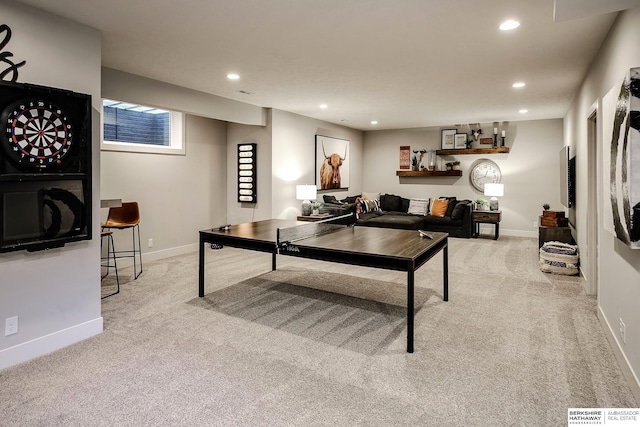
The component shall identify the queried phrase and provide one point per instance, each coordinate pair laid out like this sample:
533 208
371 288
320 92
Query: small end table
486 217
313 218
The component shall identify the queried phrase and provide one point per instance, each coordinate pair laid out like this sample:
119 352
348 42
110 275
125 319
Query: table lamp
495 191
306 193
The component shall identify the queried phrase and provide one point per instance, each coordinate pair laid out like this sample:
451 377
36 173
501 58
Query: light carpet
320 344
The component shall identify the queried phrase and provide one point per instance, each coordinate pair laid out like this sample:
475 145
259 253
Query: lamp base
306 208
493 204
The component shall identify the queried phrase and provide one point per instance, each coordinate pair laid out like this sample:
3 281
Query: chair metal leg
134 251
111 250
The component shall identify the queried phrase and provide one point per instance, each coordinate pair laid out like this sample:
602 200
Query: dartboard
38 133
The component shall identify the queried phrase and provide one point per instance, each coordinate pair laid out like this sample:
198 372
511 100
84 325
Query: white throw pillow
371 196
418 206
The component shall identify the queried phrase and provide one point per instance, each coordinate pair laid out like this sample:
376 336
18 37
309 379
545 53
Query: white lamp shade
306 192
495 190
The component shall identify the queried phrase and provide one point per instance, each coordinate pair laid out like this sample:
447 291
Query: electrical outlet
150 243
623 332
10 326
535 224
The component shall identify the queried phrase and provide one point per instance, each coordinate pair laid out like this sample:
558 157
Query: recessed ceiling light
233 76
523 111
518 84
509 25
323 106
374 122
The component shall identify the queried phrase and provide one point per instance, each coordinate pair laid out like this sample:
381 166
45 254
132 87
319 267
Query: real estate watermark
627 417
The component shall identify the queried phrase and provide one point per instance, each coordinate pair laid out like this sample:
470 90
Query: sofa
392 211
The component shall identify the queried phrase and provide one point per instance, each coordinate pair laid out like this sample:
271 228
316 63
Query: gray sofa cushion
390 202
398 220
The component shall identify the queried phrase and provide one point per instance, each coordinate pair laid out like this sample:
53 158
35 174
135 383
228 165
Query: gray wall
261 135
530 171
190 187
618 267
55 294
293 159
177 194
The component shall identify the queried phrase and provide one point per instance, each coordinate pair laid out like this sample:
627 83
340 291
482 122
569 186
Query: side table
314 218
486 217
558 234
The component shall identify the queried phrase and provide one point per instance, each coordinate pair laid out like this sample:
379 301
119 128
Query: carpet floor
320 344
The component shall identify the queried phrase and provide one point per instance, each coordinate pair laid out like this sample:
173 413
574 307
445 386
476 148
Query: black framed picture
460 140
448 139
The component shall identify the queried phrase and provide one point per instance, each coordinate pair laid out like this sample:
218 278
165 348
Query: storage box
554 222
552 214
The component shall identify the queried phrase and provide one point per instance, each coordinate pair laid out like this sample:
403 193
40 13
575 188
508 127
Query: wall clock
38 133
484 171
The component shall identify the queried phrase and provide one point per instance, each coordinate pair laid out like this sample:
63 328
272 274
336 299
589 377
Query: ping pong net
288 235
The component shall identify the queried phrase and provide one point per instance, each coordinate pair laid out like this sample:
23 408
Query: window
140 128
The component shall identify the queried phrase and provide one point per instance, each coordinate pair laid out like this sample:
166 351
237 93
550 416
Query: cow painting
330 170
332 163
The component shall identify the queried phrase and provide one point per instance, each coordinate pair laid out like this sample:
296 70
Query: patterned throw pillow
369 205
418 206
439 207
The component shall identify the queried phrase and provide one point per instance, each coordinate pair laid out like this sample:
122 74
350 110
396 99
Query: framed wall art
332 163
247 172
448 139
405 157
621 159
460 140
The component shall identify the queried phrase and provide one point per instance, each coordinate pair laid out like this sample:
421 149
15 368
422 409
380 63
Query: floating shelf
497 150
429 173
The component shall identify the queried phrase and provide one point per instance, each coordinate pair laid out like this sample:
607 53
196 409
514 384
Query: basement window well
140 128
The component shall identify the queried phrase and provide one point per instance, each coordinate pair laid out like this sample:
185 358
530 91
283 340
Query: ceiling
404 63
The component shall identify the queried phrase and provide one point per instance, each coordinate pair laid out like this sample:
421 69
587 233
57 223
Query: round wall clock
38 133
484 171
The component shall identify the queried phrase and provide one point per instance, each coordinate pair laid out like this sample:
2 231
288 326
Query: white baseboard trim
519 233
625 367
157 255
49 343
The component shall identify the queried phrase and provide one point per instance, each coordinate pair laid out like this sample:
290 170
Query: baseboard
162 254
518 233
49 343
625 367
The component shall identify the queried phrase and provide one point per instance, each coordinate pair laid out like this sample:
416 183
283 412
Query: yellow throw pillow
439 207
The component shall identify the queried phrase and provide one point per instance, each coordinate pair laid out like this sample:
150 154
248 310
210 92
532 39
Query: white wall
530 171
56 293
178 195
293 159
618 266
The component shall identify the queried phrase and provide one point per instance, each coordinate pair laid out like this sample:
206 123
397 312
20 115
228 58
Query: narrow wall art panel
621 159
332 163
247 173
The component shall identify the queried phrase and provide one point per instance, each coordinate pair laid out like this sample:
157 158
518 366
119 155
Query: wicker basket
559 258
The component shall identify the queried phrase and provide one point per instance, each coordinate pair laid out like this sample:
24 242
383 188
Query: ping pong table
391 249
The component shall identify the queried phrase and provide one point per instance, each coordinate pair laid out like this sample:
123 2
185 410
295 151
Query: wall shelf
497 150
428 173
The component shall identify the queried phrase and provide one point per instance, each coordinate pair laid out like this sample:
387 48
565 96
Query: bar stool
106 260
121 218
